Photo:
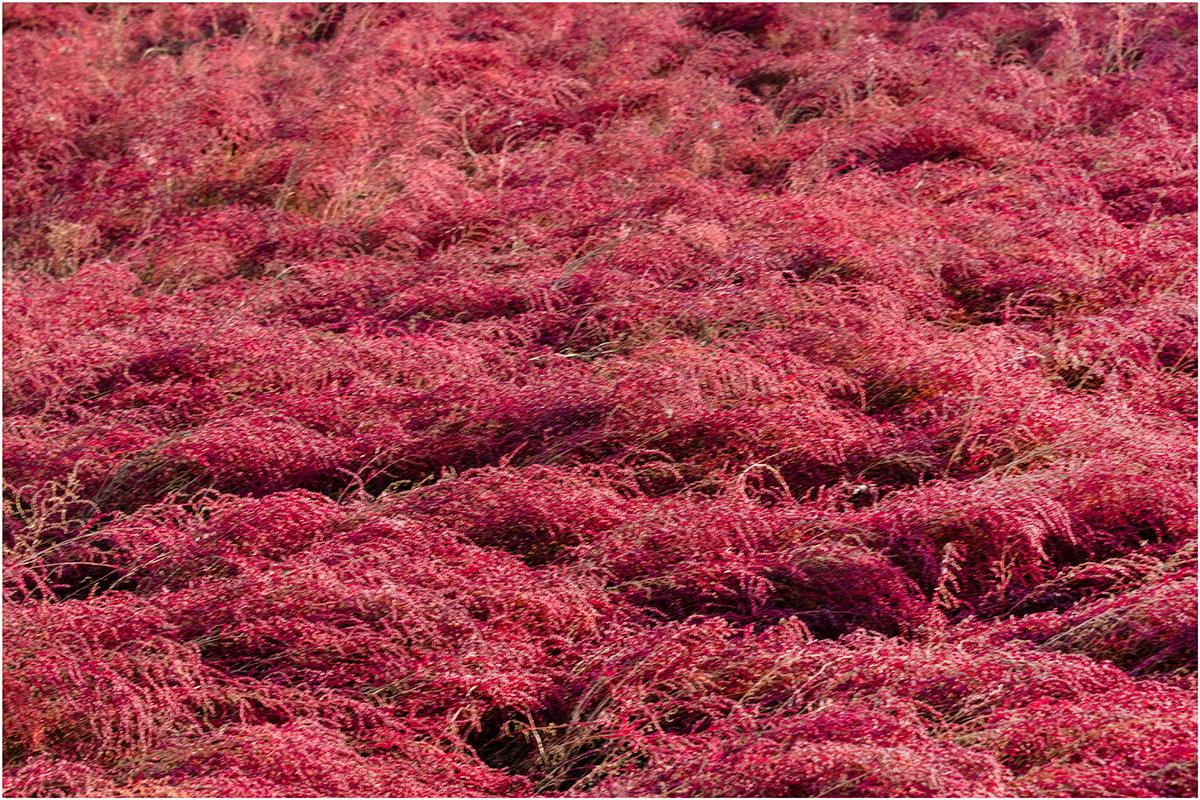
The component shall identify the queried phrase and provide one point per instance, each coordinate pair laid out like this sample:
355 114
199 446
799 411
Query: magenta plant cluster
622 400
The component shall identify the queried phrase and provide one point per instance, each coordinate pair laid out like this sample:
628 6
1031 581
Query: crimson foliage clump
630 400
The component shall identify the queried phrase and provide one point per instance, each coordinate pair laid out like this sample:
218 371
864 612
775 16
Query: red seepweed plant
713 400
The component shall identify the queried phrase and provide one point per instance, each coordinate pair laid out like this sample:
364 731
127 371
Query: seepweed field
616 400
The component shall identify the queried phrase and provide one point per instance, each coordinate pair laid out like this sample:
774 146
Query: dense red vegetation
755 400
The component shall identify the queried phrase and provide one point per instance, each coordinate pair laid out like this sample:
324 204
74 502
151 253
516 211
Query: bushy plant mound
625 400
